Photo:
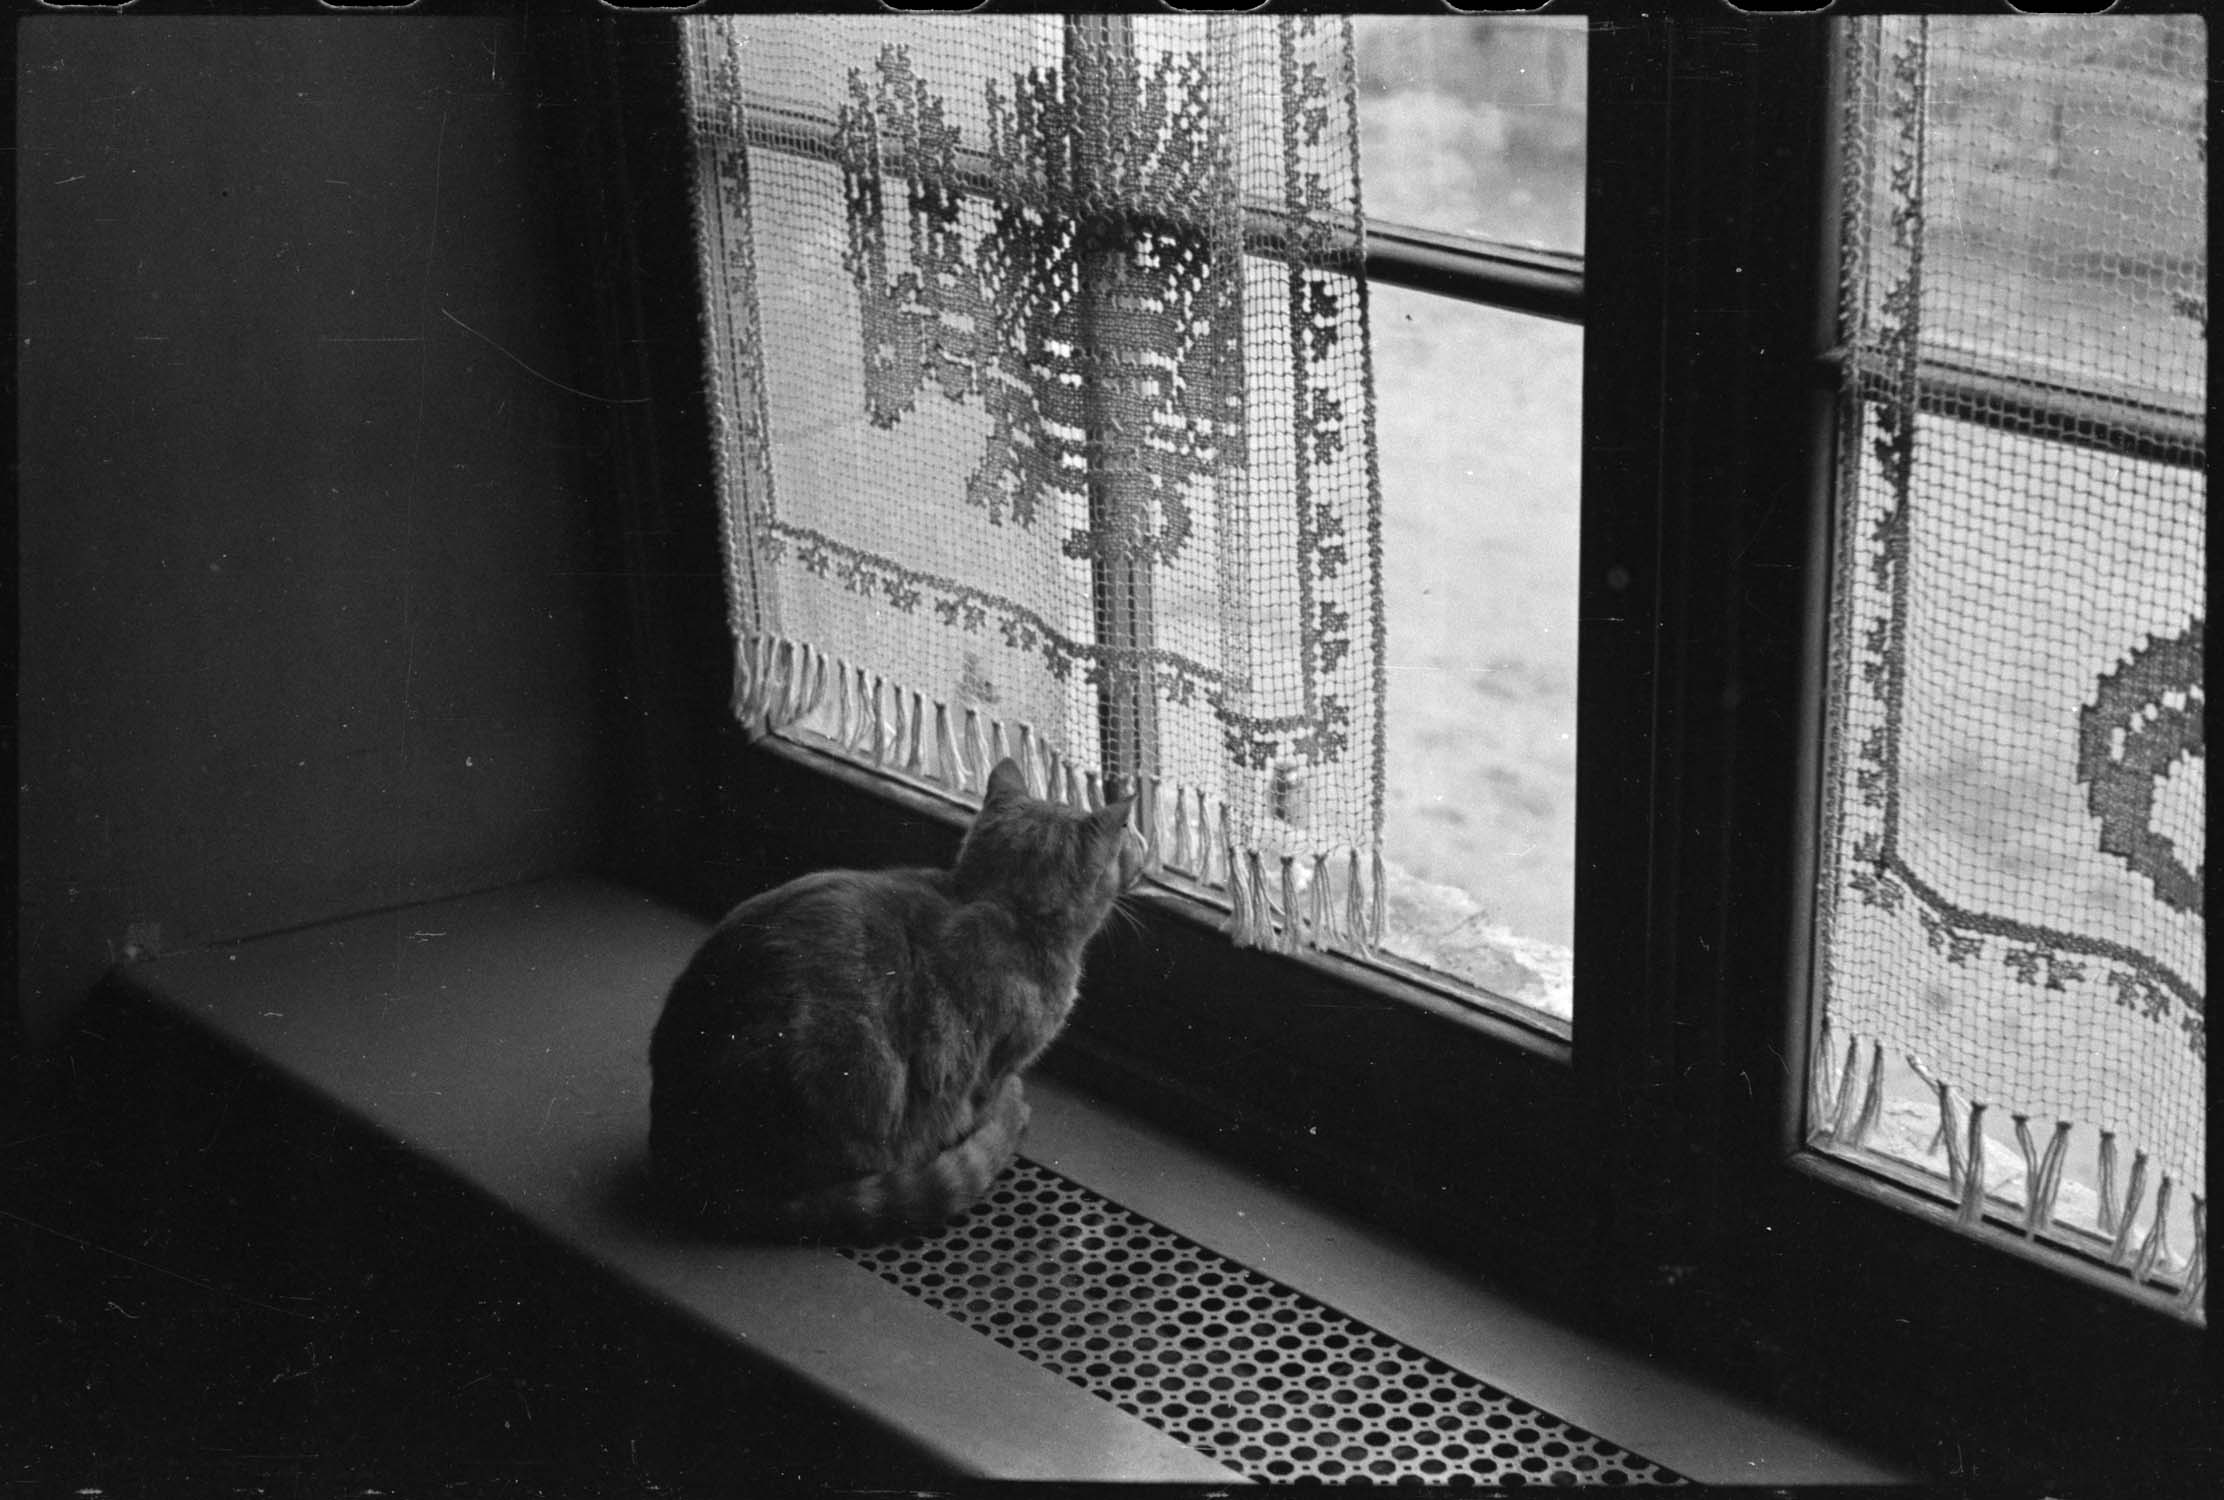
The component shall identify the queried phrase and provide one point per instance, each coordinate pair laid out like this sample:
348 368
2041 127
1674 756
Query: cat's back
830 912
821 938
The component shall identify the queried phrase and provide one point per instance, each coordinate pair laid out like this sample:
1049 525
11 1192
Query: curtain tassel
1239 899
2108 1183
740 699
1321 934
754 669
779 683
2197 1268
1973 1185
1355 906
793 670
2157 1242
2135 1191
1262 906
1375 908
1841 1123
949 764
763 659
1872 1101
914 762
970 764
1290 934
806 685
1146 812
1944 1134
1954 1166
976 748
2158 1236
2042 1174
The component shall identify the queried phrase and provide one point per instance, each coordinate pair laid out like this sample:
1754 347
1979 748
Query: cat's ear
1112 817
1005 783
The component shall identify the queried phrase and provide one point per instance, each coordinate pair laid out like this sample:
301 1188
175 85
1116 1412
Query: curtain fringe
1872 1102
2140 1248
779 683
1355 908
2197 1267
2134 1192
1973 1182
951 764
1239 898
2042 1174
1841 1122
1946 1134
2158 1235
913 764
978 764
2108 1183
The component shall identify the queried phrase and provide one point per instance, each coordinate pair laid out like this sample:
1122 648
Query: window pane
1479 423
1475 125
2013 948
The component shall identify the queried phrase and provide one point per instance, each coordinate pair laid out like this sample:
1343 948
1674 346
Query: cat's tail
889 1205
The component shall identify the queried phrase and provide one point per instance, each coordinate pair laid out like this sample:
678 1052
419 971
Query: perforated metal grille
1268 1381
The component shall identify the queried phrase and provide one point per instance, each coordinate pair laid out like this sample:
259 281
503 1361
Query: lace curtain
2013 929
1045 426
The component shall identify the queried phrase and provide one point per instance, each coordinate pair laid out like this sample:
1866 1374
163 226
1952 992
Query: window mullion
1705 459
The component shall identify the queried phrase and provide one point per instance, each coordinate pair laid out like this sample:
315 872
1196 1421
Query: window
1648 1175
2011 972
1052 425
1472 135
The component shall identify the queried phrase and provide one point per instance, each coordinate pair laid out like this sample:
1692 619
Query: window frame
1649 1182
2019 1364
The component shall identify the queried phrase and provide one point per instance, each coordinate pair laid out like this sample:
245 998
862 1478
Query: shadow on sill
217 1281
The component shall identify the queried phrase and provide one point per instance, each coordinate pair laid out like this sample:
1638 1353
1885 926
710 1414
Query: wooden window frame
1648 1183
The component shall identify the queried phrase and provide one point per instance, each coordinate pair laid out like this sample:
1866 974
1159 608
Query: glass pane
2013 970
1475 125
1479 423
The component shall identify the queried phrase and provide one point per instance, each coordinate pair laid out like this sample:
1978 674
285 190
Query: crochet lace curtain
2012 903
1045 426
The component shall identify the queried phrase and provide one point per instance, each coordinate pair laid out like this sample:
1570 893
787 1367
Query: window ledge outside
503 1037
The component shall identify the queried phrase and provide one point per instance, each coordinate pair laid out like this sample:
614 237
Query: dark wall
310 610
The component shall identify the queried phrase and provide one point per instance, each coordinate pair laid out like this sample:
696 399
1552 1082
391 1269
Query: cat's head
1059 867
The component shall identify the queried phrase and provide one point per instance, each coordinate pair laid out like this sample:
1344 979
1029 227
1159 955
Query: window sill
502 1039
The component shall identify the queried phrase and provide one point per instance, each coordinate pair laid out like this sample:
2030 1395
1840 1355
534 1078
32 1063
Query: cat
841 1059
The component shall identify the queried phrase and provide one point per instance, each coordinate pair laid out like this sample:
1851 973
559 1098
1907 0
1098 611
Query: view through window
1472 129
